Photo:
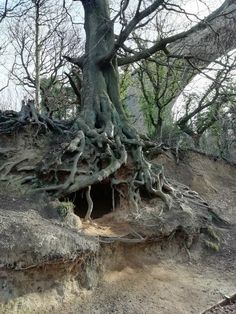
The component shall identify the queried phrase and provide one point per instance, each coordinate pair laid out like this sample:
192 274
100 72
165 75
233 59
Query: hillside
51 261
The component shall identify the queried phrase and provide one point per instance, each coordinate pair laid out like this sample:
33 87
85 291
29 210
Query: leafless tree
10 8
40 39
101 109
104 142
202 111
159 82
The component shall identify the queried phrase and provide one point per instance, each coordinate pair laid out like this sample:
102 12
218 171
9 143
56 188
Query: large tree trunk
206 45
105 142
101 108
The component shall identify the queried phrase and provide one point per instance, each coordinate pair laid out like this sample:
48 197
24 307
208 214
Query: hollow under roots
82 158
91 157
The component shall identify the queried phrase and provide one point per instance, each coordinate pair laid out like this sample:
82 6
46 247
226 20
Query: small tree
40 38
58 99
202 110
159 82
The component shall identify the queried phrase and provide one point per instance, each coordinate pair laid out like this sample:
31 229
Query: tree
40 38
218 138
59 98
159 82
191 58
102 116
8 9
198 49
204 108
104 146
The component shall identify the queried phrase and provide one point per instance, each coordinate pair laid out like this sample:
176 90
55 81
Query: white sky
11 97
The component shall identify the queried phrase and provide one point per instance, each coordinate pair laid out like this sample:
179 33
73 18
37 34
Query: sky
10 97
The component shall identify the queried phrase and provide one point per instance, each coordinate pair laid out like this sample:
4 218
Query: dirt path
164 288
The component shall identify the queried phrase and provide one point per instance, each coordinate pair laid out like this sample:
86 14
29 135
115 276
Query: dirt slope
135 278
214 180
144 282
159 288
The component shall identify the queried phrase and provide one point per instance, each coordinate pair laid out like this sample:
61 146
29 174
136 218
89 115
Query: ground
158 287
169 281
154 277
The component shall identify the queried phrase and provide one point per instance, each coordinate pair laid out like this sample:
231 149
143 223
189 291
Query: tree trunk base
83 158
91 157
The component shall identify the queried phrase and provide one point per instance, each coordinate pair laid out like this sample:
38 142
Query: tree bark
37 57
159 126
101 107
207 45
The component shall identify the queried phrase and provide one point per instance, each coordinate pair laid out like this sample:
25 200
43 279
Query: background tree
196 119
219 139
202 110
198 50
8 10
40 38
59 99
159 82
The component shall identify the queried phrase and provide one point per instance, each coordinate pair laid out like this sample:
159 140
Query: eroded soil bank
145 279
161 287
84 275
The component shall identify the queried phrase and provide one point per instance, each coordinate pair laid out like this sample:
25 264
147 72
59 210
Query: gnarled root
11 121
6 168
151 177
90 204
94 155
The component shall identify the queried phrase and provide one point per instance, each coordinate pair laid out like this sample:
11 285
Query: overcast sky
11 96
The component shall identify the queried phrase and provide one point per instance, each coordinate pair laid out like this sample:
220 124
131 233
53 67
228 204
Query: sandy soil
167 286
144 282
214 180
163 288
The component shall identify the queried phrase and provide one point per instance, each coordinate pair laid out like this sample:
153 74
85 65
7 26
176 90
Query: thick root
90 204
8 167
11 121
93 156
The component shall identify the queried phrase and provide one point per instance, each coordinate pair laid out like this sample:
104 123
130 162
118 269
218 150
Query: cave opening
104 199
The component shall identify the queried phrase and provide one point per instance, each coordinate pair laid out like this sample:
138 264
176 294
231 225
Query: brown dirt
214 180
150 280
155 287
137 282
166 284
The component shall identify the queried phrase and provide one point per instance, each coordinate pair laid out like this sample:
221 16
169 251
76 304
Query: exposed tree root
90 203
96 155
8 166
110 154
134 237
99 158
11 121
